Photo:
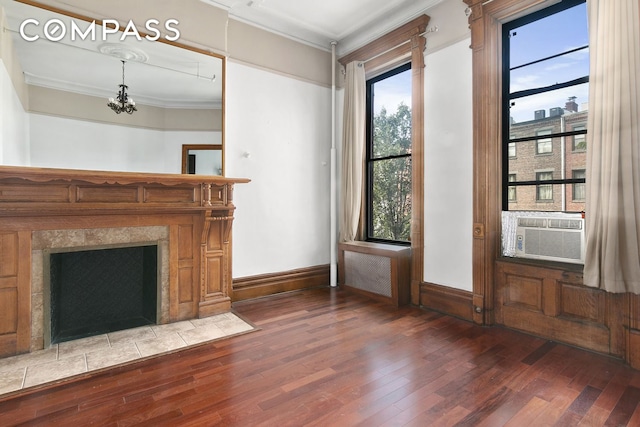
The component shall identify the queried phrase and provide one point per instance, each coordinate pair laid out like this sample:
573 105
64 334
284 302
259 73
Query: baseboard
451 301
268 284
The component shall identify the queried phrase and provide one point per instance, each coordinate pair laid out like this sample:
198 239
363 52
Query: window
544 94
579 188
389 156
512 189
580 140
544 192
544 145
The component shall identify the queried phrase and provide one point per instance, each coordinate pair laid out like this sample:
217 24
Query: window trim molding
406 43
485 22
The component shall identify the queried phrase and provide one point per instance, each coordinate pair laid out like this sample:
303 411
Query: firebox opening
98 291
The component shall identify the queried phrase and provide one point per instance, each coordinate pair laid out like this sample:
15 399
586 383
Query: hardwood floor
324 357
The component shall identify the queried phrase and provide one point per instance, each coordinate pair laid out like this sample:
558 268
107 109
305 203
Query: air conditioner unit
551 238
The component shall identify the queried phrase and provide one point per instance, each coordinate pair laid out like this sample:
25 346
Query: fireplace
136 256
95 291
188 217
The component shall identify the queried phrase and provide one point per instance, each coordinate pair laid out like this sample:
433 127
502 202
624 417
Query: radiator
368 272
378 270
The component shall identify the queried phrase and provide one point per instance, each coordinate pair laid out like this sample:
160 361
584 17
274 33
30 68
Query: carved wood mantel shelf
197 210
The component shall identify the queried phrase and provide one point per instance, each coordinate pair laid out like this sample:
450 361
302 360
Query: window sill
377 246
565 266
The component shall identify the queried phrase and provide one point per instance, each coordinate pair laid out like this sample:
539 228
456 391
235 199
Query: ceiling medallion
120 51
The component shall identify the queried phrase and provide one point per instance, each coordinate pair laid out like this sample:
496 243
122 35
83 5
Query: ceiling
351 23
165 76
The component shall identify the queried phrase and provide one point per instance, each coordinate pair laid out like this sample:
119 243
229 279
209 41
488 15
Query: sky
391 91
549 36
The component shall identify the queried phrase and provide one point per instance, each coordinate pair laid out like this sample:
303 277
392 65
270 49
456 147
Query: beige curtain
353 143
613 157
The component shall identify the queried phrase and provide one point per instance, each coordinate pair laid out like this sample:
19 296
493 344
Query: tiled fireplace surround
189 217
91 238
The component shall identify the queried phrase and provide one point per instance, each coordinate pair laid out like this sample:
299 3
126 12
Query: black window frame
370 160
508 98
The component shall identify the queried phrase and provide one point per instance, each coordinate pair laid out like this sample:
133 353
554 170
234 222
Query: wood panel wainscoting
549 300
552 302
196 211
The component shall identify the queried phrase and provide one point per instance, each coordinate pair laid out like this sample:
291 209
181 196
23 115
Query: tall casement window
389 156
545 98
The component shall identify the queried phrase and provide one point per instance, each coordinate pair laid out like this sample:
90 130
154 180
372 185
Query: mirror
202 159
178 93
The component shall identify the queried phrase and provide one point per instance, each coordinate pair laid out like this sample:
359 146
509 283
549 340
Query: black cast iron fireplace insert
98 291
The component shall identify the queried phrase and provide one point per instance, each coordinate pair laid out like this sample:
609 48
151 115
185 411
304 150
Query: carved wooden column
483 253
215 253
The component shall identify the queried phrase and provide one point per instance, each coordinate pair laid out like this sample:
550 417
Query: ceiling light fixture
122 102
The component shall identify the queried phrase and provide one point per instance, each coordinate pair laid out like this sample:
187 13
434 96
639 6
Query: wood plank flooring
327 358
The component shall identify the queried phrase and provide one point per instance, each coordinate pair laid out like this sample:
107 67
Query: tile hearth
101 351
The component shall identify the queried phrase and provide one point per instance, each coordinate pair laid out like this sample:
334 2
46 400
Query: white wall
284 126
78 144
448 170
14 124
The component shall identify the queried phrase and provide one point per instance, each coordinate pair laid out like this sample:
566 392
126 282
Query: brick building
546 158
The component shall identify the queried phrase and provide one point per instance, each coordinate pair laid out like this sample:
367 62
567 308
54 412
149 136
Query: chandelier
122 102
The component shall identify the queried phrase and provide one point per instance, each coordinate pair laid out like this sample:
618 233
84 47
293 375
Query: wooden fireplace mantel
198 211
62 190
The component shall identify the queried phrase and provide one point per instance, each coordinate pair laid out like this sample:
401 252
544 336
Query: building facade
548 158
